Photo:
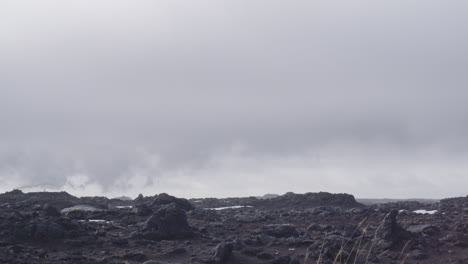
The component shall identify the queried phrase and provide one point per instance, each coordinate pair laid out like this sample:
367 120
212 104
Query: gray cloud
202 98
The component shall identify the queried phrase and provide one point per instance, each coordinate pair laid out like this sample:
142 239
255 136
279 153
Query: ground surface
309 228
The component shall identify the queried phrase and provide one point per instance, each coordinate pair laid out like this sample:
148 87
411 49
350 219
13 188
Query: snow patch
422 211
229 207
85 208
124 207
96 221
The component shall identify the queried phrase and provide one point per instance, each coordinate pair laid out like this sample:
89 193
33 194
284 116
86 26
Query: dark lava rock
96 201
16 248
423 229
50 210
222 252
400 205
177 251
135 255
417 254
461 244
390 232
47 230
285 260
142 209
19 199
318 227
328 248
265 255
223 202
454 205
164 199
75 242
280 231
251 251
156 262
309 200
265 239
169 222
119 242
31 231
251 216
41 230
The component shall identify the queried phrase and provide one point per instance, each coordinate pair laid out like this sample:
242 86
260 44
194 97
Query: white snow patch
229 207
96 221
422 211
124 207
80 208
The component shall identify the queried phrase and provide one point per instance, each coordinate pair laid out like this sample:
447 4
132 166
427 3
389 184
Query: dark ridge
288 200
224 202
454 204
371 201
309 200
162 199
59 200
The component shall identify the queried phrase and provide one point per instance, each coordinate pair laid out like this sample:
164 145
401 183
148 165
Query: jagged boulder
164 199
169 222
390 232
159 200
142 209
50 210
222 252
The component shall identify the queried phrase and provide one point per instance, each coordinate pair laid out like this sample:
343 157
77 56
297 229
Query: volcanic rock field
56 227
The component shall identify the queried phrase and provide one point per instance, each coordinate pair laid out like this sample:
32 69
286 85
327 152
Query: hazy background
234 98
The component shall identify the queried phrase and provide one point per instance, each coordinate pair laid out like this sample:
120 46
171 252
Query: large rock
47 230
423 229
222 252
164 199
42 230
309 200
142 209
390 232
50 210
159 200
169 222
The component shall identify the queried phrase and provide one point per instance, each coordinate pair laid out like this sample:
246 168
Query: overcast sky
233 98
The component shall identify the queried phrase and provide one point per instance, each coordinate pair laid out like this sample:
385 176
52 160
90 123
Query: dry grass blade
319 260
401 253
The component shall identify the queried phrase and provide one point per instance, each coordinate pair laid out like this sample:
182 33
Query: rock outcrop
390 232
169 222
309 200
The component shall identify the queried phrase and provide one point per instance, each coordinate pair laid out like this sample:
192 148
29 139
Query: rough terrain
48 227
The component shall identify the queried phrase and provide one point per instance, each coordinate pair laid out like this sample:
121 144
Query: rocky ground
52 227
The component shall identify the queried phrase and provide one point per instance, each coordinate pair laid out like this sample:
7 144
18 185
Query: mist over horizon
234 98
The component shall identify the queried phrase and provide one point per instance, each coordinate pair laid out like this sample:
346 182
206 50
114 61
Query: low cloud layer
233 98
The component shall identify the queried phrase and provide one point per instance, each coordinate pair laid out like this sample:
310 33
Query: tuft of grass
358 251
